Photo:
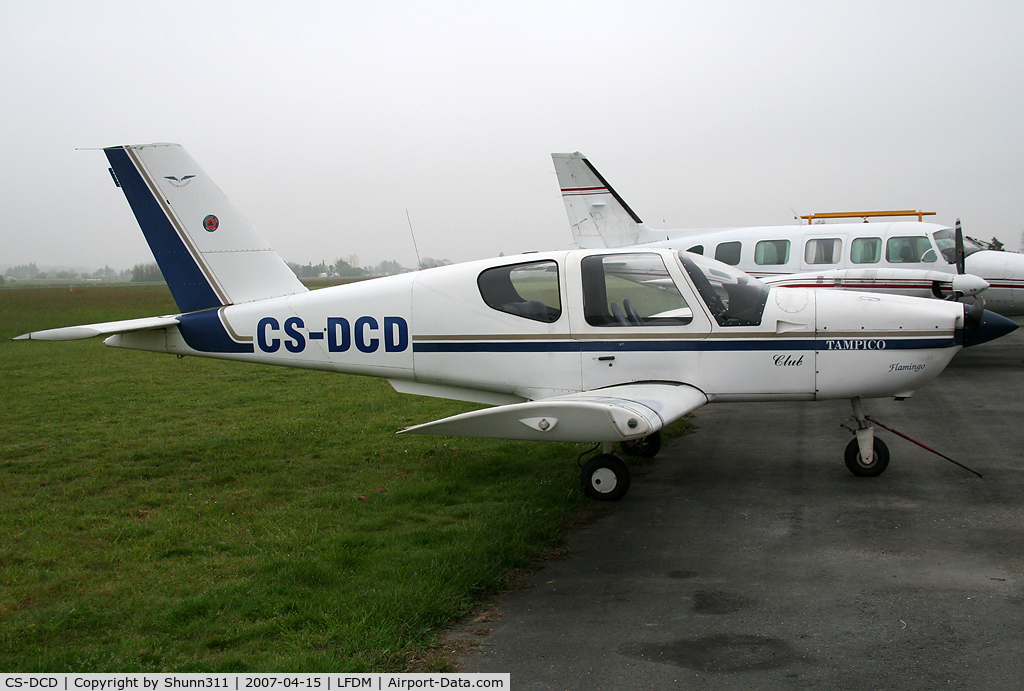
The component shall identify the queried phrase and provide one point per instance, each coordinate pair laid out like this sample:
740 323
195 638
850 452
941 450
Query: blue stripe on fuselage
204 331
188 285
671 346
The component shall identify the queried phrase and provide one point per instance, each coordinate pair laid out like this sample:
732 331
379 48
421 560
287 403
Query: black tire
605 478
880 459
645 447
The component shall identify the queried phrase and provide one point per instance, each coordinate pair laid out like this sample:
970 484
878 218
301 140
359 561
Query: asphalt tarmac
746 556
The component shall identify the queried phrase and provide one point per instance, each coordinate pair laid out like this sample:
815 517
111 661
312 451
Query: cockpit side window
946 241
909 250
734 298
525 290
631 290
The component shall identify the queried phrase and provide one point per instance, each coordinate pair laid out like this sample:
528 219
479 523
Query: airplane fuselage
856 256
434 332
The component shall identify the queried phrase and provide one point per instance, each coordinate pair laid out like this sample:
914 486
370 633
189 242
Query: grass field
160 514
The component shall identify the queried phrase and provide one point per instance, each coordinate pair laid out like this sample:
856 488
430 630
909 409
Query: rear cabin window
866 251
909 250
771 252
525 290
631 290
728 253
823 251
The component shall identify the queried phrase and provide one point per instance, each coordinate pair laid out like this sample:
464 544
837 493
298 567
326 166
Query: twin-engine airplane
908 258
580 345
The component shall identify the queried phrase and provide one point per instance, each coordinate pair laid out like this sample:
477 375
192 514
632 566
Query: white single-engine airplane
908 258
579 345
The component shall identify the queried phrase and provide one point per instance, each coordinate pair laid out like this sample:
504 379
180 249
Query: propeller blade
976 312
959 249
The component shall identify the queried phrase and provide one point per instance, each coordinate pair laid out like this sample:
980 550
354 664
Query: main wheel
645 447
605 477
879 459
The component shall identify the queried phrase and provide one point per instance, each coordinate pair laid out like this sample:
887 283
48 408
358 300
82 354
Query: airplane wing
616 413
74 333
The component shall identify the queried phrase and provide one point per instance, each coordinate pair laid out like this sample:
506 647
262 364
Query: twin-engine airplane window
866 250
946 240
729 253
771 252
631 290
909 250
525 290
823 251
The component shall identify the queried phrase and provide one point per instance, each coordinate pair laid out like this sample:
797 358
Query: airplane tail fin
209 254
597 214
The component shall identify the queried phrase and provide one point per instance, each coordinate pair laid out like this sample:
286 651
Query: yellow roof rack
868 214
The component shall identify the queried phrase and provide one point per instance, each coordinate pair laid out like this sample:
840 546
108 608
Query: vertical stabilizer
597 214
209 254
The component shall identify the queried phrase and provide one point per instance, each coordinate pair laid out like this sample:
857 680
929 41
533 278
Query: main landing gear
866 455
605 477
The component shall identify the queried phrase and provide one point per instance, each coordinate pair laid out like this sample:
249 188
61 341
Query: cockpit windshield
734 298
946 240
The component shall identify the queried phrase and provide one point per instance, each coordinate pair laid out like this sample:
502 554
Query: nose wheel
875 467
866 455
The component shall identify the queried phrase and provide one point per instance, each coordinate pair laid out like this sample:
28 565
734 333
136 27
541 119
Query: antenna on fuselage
419 264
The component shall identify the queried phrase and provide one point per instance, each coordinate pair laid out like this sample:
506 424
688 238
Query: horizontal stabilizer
75 333
627 411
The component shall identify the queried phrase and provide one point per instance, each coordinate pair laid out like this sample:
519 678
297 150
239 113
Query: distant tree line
25 272
348 267
147 273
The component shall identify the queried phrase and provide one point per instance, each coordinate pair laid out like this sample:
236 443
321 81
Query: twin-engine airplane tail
598 215
210 255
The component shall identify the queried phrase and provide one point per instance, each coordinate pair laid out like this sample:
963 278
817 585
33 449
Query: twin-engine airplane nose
982 325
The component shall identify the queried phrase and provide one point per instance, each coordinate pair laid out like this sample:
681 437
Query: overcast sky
325 121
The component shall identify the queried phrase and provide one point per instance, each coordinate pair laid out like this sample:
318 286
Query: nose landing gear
866 455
